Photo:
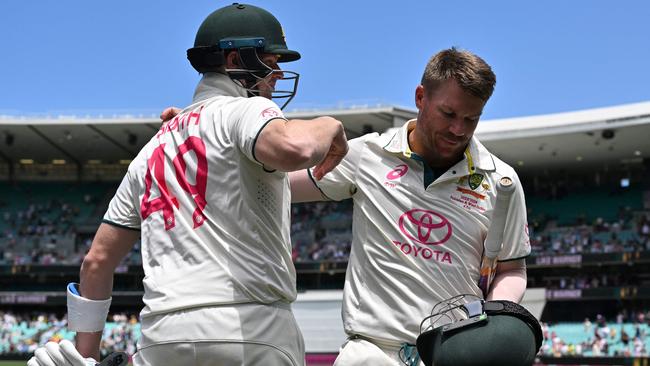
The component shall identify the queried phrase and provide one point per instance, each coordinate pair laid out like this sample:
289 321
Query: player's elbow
90 264
95 263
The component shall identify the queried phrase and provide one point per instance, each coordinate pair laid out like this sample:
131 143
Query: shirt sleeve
516 243
249 120
341 182
123 208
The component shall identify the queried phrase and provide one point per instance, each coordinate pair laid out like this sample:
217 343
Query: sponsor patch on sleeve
271 112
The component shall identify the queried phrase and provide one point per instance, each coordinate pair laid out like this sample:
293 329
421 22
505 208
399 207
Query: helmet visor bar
236 43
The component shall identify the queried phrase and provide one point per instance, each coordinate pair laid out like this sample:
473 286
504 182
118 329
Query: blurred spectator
581 339
23 333
45 233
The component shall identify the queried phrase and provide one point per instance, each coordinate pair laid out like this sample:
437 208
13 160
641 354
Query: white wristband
85 315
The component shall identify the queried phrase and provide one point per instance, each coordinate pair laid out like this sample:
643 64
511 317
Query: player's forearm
308 141
109 247
509 285
96 283
299 144
303 188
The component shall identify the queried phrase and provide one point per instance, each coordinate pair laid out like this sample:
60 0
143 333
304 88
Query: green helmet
493 333
236 26
250 31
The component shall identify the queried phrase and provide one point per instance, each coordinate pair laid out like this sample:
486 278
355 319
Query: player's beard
266 92
263 88
449 148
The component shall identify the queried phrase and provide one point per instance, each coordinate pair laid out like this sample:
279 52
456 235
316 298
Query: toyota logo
424 226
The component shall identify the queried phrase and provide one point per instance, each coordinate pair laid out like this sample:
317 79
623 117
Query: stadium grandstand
585 175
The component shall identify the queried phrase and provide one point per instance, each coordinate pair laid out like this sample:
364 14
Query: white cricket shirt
215 222
416 241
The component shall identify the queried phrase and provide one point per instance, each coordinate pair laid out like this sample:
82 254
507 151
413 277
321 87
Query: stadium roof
611 136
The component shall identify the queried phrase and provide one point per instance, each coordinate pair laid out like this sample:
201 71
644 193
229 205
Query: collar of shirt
477 157
215 84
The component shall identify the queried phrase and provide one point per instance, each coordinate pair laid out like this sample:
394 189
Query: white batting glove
59 354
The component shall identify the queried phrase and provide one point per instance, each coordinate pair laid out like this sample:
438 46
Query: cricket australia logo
475 180
425 226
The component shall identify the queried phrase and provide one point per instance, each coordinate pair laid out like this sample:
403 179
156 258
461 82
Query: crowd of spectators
585 281
627 337
39 233
40 219
22 333
600 237
45 233
321 231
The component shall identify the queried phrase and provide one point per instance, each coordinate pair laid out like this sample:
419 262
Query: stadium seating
577 339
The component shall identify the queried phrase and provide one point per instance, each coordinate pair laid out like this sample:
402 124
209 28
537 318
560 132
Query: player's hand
336 153
168 114
59 354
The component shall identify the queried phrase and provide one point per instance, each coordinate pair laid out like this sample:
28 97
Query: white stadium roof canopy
588 138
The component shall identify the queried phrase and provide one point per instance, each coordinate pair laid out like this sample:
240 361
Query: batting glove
59 354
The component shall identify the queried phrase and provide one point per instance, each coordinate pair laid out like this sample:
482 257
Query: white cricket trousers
358 352
244 334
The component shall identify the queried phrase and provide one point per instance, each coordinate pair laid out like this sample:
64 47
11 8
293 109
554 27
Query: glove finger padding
54 351
33 362
43 358
73 356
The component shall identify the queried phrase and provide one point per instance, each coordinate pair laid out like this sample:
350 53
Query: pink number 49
166 201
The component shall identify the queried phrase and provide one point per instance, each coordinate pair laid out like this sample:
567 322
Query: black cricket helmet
491 333
250 31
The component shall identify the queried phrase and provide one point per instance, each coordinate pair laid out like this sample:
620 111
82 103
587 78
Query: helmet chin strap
254 72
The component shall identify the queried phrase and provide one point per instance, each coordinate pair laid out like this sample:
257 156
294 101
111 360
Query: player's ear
419 96
232 60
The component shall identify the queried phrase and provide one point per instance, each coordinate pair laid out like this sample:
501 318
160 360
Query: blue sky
101 57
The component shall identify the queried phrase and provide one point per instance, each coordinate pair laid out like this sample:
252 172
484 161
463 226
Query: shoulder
378 140
255 108
139 165
371 140
501 168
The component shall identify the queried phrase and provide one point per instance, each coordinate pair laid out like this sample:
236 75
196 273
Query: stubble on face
447 118
266 86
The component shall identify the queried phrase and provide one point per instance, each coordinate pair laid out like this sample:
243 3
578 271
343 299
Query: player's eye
448 114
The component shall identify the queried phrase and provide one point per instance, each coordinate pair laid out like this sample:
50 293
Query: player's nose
457 127
277 74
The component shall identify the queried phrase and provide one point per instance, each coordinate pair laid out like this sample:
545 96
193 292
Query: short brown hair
470 71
